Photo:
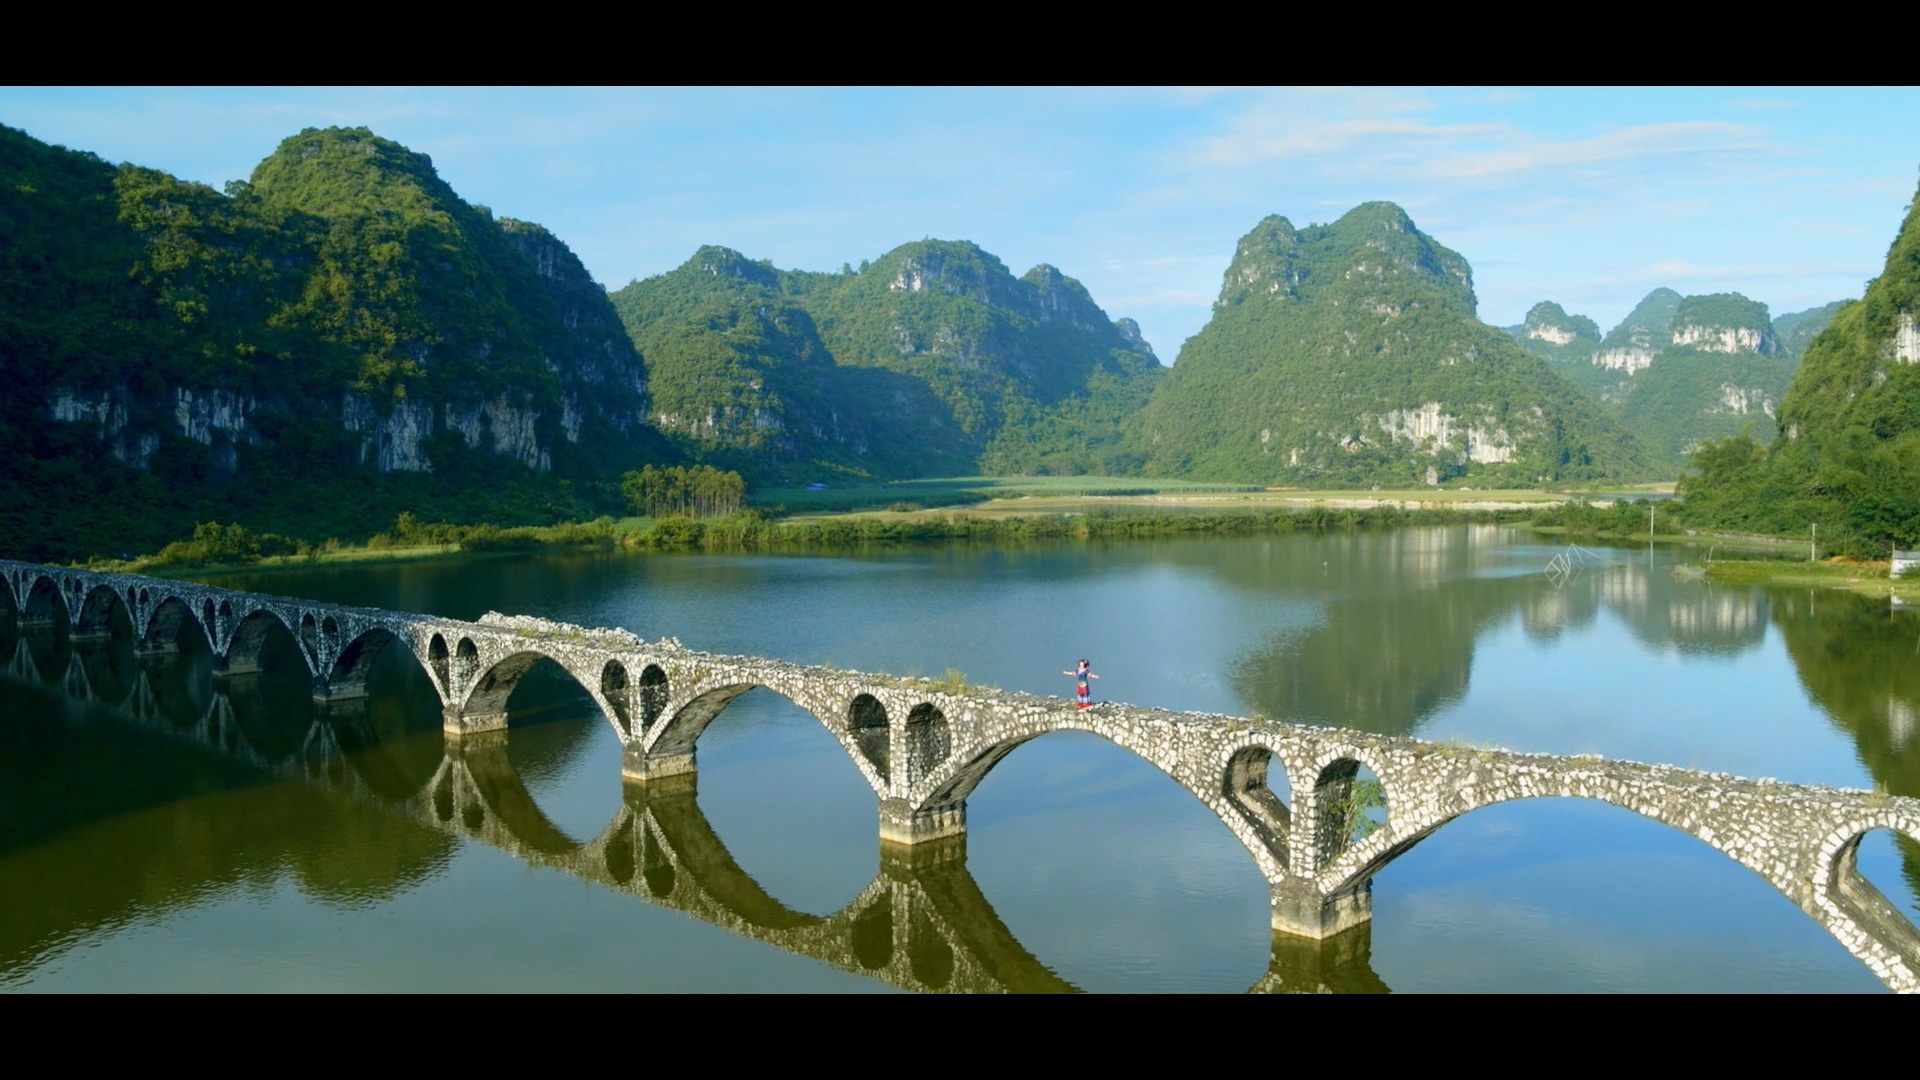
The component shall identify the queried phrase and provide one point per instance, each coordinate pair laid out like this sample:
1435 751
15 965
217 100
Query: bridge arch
466 663
1363 860
104 612
1854 896
255 634
1249 790
654 693
872 732
928 740
9 613
951 783
46 605
862 725
491 686
51 647
440 664
173 628
618 694
355 661
1343 801
310 639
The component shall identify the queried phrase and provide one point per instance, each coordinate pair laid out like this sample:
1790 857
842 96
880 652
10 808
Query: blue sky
1589 197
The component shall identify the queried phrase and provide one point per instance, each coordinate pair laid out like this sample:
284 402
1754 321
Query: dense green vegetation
1718 311
1848 456
932 360
1325 338
1794 331
701 491
1673 397
175 354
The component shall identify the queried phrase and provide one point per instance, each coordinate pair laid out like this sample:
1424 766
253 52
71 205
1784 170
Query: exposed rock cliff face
1724 339
1350 353
1626 361
1905 344
342 311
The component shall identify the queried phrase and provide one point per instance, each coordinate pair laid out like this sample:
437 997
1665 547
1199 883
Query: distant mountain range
1679 370
342 337
931 360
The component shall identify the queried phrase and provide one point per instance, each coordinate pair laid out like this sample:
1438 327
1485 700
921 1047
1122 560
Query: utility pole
1814 546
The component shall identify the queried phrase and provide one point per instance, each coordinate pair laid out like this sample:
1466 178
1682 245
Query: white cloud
1680 137
1679 270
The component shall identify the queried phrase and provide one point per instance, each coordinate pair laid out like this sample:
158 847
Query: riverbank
411 542
1051 513
1866 577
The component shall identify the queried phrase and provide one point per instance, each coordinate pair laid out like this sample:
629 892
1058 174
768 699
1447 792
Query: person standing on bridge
1081 675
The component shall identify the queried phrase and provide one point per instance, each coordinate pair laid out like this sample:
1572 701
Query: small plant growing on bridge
1355 811
953 682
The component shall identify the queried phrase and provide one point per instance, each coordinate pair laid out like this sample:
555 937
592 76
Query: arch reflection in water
921 923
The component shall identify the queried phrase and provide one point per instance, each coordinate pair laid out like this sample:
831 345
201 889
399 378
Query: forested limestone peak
331 171
1549 322
267 354
1722 322
725 262
1645 327
1059 298
1848 455
953 267
1893 300
1861 370
1130 333
1373 242
1350 354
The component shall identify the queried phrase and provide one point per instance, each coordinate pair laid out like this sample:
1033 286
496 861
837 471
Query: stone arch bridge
923 747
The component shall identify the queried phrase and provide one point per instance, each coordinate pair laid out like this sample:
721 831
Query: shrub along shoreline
216 547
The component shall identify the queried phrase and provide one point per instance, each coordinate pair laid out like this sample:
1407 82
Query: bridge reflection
394 797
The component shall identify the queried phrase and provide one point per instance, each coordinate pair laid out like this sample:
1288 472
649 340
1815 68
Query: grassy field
951 492
1866 577
1002 497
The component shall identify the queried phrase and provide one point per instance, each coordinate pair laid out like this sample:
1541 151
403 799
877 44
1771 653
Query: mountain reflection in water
1386 660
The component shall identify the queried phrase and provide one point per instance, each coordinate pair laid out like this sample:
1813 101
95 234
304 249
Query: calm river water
229 854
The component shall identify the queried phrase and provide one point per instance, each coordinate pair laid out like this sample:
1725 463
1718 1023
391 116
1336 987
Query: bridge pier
1301 910
457 723
326 690
902 823
904 862
640 767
